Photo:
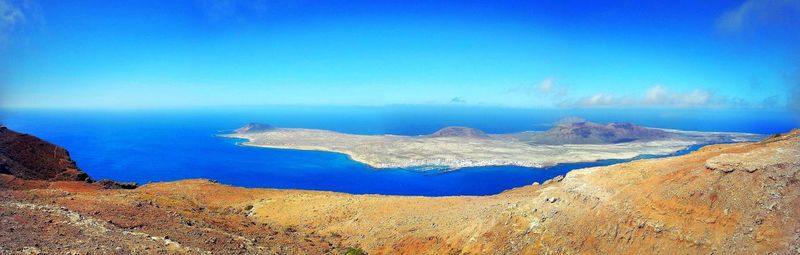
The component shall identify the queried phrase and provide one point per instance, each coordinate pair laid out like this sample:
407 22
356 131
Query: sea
155 145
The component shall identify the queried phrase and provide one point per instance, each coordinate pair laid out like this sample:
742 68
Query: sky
529 54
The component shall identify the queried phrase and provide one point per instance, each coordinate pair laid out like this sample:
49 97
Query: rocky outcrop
459 132
27 157
253 128
755 160
110 184
29 162
578 131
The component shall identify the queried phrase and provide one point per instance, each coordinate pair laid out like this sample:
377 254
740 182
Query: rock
459 132
578 131
752 161
110 184
558 178
725 167
28 157
253 128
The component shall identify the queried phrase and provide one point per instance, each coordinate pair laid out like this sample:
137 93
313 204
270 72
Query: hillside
723 199
584 132
253 128
459 132
28 157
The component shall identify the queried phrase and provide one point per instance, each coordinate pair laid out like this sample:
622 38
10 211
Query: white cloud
545 88
600 100
760 12
546 85
241 10
11 16
14 14
655 96
660 95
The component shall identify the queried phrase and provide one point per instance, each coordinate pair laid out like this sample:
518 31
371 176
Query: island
569 141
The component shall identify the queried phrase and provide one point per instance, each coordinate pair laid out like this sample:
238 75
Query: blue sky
532 54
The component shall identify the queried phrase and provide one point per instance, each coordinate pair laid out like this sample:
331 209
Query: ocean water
163 145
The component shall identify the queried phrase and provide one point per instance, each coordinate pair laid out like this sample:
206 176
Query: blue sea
164 145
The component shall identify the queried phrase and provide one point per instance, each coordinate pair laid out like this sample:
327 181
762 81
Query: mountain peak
579 131
253 127
455 131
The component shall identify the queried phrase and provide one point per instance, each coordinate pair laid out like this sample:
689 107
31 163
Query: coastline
248 142
457 147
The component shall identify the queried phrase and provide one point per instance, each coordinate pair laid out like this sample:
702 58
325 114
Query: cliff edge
28 157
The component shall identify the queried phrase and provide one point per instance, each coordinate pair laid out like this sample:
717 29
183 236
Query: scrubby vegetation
354 251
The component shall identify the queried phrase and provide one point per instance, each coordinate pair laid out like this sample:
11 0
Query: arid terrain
458 147
739 198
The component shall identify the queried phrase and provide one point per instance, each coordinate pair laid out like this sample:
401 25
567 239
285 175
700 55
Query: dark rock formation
28 157
459 132
253 128
584 132
110 184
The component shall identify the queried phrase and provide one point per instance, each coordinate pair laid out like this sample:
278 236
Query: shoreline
448 168
456 147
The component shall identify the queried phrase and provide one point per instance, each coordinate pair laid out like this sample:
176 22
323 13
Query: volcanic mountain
584 132
253 128
459 132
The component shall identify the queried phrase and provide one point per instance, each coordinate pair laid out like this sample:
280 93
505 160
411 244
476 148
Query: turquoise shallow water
148 146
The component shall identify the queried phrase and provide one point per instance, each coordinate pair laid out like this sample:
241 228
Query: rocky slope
252 128
28 162
723 199
584 132
576 131
29 157
459 132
